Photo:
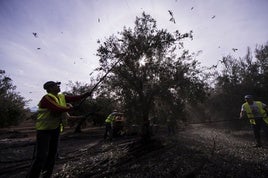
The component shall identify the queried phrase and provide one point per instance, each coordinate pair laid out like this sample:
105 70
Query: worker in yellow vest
52 109
256 112
109 125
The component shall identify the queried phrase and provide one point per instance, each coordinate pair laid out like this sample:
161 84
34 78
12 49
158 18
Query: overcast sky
67 31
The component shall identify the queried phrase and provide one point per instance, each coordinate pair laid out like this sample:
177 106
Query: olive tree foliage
238 77
11 103
96 107
93 103
261 54
150 70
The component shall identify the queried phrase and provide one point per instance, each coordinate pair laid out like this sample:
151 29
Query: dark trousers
45 155
260 124
108 131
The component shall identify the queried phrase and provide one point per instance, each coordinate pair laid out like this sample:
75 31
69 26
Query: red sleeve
49 103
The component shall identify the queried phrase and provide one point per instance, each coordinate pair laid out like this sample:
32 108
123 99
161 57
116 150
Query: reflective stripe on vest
47 120
250 114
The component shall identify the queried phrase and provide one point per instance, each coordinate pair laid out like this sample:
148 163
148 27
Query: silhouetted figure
256 113
109 125
171 125
52 108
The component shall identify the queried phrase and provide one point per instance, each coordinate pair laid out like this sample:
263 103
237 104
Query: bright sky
67 33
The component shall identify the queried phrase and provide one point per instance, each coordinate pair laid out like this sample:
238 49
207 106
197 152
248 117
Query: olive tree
12 109
149 67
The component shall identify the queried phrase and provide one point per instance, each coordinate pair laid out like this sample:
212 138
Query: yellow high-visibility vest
46 120
110 118
250 114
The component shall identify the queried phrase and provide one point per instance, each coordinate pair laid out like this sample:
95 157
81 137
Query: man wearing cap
52 109
256 112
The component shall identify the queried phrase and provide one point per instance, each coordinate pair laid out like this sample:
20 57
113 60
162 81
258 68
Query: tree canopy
238 77
152 69
12 109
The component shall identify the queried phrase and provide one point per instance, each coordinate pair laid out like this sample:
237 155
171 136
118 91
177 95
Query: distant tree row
12 104
238 77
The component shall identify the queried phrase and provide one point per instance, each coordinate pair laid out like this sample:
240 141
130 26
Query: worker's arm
71 117
243 113
49 103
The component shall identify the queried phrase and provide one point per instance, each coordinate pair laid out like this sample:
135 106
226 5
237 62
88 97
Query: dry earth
195 151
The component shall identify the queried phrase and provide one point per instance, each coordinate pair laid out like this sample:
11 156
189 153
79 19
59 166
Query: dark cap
50 84
248 97
115 112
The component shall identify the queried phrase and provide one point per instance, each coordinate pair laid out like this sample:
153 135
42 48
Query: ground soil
194 151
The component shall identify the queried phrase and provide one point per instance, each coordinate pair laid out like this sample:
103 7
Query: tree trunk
79 125
146 134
